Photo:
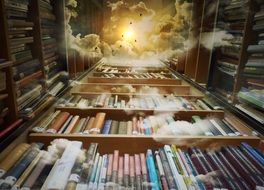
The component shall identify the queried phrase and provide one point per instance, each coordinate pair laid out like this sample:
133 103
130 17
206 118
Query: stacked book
231 18
59 122
252 103
68 165
254 68
166 102
56 78
27 72
252 95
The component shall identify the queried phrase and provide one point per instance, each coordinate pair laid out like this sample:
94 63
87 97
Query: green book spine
114 127
122 129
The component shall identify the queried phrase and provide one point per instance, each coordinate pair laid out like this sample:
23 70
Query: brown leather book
59 121
74 122
98 123
29 78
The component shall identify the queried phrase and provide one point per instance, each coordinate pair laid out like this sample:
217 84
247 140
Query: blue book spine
252 151
152 171
106 127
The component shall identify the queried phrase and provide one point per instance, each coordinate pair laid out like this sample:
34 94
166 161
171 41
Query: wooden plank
4 36
117 113
5 64
72 63
192 53
138 144
130 81
3 96
37 50
130 89
79 62
205 54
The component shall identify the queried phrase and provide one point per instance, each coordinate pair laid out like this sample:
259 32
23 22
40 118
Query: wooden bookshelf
141 142
123 112
132 81
194 34
243 57
132 144
138 89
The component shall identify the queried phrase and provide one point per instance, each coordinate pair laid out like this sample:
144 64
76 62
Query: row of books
67 165
251 95
251 102
232 19
254 68
56 78
27 73
134 102
163 124
113 69
146 75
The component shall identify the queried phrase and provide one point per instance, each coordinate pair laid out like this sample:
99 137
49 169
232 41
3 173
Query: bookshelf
231 59
92 90
21 41
141 143
250 96
243 84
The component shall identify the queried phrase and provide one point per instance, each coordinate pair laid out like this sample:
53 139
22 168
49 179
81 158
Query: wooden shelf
5 64
3 96
125 89
114 112
132 144
130 81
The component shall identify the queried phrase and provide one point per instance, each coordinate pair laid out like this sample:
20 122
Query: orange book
98 123
58 122
74 122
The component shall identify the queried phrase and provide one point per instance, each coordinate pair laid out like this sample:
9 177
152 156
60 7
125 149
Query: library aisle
131 95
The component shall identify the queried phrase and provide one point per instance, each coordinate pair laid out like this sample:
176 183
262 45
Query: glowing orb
128 35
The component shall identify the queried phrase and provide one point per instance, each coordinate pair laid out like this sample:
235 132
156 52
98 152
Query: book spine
56 125
152 170
120 177
115 167
64 167
109 168
163 180
12 158
20 166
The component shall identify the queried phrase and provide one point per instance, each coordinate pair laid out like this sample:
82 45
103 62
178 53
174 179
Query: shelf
125 112
3 96
130 81
5 64
131 144
136 89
